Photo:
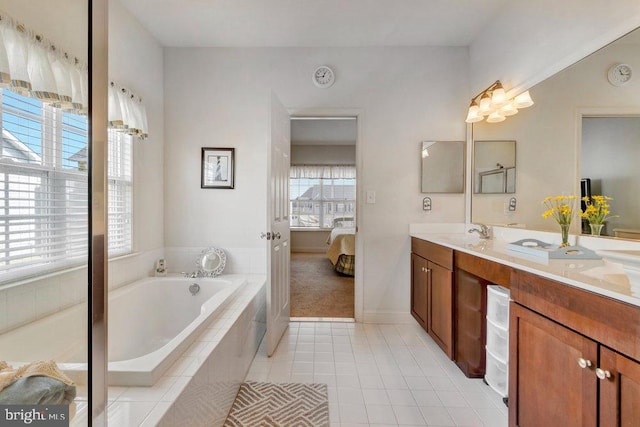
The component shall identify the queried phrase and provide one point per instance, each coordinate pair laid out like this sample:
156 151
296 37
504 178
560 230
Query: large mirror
442 166
581 126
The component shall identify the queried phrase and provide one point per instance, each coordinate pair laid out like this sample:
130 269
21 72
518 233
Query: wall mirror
442 166
494 167
582 125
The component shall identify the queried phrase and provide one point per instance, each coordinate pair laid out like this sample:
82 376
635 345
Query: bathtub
151 323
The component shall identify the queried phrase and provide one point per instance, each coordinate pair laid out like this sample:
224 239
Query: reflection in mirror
494 167
555 139
442 166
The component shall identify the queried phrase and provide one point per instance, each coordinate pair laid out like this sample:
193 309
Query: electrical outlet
512 204
371 197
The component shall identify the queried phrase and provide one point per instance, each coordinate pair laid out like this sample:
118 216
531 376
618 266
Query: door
619 389
440 314
419 293
278 253
553 370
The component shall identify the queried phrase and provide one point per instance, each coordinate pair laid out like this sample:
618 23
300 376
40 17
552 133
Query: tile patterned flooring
380 375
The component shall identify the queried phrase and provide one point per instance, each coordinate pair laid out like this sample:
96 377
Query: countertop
598 276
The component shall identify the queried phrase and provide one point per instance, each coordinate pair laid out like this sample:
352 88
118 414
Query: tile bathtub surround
380 375
200 387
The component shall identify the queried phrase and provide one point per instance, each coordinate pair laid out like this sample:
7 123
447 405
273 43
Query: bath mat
261 404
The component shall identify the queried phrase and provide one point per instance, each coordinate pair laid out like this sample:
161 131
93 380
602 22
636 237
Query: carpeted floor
317 290
261 404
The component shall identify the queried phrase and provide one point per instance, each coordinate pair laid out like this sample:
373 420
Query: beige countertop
599 276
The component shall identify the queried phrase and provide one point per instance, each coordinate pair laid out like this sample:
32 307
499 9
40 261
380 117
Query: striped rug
283 405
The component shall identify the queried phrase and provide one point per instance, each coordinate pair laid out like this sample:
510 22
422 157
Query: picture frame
217 168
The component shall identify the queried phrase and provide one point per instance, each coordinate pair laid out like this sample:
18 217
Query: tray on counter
550 251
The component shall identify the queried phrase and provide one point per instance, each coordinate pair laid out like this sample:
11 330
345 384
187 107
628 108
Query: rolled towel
38 390
35 383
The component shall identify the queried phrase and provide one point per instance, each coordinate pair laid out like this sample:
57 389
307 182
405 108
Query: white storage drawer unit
498 305
496 374
498 340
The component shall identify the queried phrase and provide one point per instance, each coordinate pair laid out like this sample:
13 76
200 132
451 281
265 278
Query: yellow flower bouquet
561 208
596 212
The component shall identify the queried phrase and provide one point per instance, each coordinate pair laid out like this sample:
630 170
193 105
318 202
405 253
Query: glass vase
596 229
564 229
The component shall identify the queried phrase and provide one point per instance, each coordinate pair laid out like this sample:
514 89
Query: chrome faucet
484 231
194 275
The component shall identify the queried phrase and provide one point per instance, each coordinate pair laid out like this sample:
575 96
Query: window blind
44 193
44 190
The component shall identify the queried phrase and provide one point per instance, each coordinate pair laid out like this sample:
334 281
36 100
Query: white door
278 221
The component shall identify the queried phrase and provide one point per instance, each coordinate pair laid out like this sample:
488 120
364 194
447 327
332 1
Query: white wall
532 40
219 97
547 150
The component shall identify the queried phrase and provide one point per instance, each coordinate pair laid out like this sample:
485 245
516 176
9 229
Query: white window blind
44 189
120 194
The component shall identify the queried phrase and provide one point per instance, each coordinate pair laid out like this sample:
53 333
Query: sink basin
630 260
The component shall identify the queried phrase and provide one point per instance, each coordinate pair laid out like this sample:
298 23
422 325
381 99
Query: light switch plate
371 196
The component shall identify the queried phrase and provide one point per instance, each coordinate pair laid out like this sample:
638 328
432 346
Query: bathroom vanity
574 335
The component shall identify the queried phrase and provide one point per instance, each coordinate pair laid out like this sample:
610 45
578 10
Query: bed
342 250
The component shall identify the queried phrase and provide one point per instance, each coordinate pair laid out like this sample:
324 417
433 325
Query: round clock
619 74
323 76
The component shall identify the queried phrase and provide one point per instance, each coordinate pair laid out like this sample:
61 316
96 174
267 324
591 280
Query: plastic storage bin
498 340
496 374
498 305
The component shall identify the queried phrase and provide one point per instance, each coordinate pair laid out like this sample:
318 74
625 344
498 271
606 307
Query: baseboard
387 317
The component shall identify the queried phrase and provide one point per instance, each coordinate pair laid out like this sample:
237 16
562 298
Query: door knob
276 236
266 235
602 374
584 363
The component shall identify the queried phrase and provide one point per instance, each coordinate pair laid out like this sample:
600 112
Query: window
120 194
44 188
321 202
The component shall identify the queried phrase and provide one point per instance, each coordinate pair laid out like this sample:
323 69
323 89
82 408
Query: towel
35 383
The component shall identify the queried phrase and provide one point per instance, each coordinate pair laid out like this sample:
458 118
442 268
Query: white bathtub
151 322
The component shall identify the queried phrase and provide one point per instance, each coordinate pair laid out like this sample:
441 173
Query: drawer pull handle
602 374
584 363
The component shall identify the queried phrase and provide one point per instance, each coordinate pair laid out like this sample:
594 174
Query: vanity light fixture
494 104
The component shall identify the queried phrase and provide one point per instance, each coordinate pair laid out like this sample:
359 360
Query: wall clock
619 74
323 76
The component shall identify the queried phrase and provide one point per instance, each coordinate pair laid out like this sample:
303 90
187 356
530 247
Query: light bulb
498 97
474 114
523 100
508 110
485 104
495 117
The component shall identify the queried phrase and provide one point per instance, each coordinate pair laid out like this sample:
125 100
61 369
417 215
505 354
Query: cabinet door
440 314
547 386
470 325
419 292
620 392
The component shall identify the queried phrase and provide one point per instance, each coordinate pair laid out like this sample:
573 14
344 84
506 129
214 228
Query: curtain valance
323 171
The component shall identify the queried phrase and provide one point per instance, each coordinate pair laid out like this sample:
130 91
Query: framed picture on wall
217 169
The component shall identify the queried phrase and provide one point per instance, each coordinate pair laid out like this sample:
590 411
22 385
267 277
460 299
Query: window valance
323 171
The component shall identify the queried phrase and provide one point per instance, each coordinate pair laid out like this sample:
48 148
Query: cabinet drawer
441 255
491 271
613 323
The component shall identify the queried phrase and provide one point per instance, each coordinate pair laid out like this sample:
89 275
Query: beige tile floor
380 375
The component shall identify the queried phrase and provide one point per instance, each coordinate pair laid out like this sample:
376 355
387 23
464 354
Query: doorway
323 182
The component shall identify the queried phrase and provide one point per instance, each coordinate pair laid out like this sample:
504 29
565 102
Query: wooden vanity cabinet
573 356
432 291
472 276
